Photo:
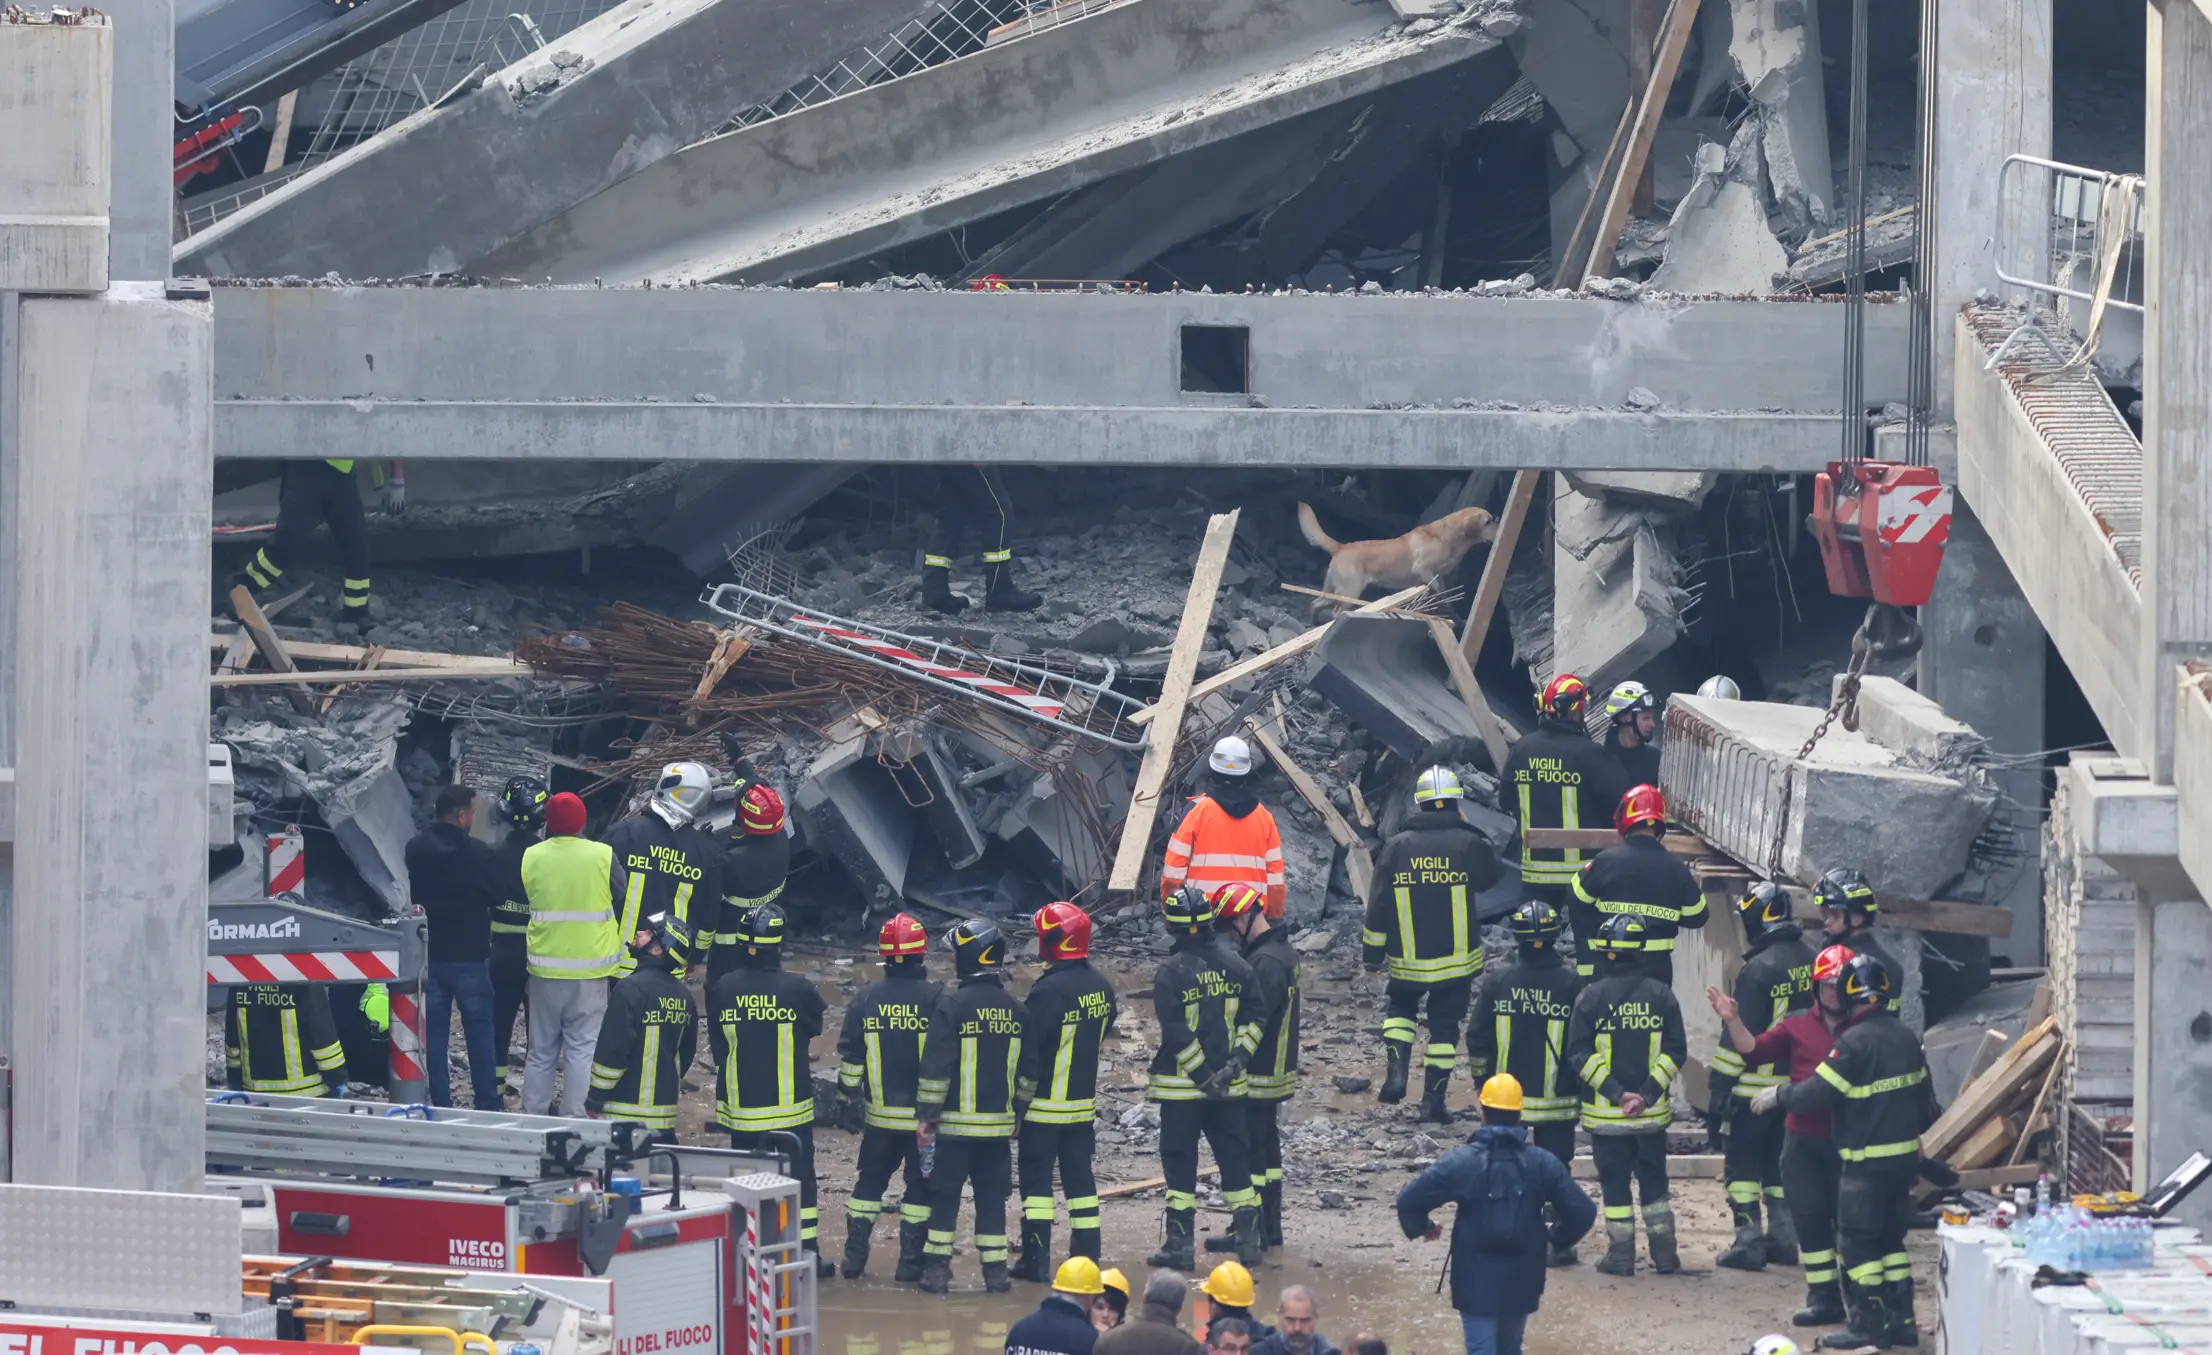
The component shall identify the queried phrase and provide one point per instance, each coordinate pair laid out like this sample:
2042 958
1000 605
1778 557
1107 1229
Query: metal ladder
778 1274
1092 710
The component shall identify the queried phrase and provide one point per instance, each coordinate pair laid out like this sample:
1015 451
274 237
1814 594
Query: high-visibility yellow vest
343 467
572 927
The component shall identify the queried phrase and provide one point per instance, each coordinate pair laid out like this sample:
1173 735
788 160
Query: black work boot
936 1274
1561 1257
1034 1266
1904 1328
1823 1305
1781 1233
937 594
911 1238
1659 1236
1749 1252
1245 1225
1175 1251
1220 1242
1271 1212
1002 594
995 1279
1083 1242
1433 1109
1620 1248
1868 1324
823 1266
858 1233
1394 1077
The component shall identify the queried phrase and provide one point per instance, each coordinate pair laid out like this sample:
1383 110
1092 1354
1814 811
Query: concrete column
2177 362
1992 99
2173 1039
1981 659
142 204
114 476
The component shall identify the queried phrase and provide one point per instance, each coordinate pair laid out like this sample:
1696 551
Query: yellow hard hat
1114 1279
1079 1275
1230 1284
1502 1092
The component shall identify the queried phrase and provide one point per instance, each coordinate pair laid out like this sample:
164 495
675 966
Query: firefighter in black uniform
1421 918
762 1020
755 862
1639 878
1519 1027
1776 980
674 867
1847 912
968 1103
1626 1042
1071 1010
1271 1074
879 1066
1875 1083
1555 777
649 1035
279 1038
522 805
1200 994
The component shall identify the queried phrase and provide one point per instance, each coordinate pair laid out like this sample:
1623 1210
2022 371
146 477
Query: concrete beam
2173 1060
1019 122
54 85
2193 780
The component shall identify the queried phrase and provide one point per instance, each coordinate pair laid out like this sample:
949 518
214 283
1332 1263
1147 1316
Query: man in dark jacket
1500 1242
457 882
1152 1330
1297 1326
1062 1323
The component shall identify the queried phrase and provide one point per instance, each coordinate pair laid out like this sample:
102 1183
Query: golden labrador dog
1429 551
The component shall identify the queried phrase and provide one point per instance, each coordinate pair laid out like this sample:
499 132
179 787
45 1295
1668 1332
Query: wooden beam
256 624
1288 649
1494 739
1358 863
1576 255
2035 1114
1360 810
1579 839
1680 1167
1681 19
281 136
315 651
1993 1089
492 670
1128 1188
369 663
1502 543
1175 696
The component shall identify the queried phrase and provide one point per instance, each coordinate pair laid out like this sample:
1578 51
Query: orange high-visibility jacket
1211 849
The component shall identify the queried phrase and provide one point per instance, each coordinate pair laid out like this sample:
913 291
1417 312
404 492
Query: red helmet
1063 932
1234 900
902 938
1642 807
1830 962
1564 695
760 809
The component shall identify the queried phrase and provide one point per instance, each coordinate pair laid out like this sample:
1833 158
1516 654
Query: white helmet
1438 784
682 792
1776 1344
1627 699
1231 756
1720 687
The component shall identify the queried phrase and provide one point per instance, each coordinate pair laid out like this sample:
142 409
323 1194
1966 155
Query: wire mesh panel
947 31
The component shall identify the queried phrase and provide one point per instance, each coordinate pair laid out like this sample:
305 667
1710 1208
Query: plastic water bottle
929 1157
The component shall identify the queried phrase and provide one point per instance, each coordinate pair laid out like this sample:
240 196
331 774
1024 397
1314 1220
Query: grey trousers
565 1015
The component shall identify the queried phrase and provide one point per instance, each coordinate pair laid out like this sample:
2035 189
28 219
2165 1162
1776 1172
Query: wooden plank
1681 19
256 623
1985 1145
369 664
492 670
315 651
1494 740
281 136
1576 255
1331 597
1921 915
1128 1188
1360 810
733 645
238 650
1175 697
1991 1048
1582 839
1288 649
1494 568
1358 863
1990 1178
1680 1167
1993 1089
2035 1122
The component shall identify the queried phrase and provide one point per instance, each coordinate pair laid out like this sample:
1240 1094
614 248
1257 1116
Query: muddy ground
1345 1159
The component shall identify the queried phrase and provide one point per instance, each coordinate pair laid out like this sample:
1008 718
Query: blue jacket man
1500 1242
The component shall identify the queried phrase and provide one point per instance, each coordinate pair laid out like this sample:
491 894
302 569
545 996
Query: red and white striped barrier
406 1039
284 866
1021 696
315 966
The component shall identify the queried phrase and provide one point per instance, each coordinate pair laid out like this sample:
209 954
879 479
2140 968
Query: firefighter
279 1038
313 492
1632 735
879 1065
1810 1166
755 861
1847 912
1421 918
1519 1027
968 1103
1776 981
1639 878
1874 1084
1556 778
763 1019
1720 687
1271 1074
1227 836
973 507
675 868
1071 1011
1199 996
650 1035
1625 1042
522 805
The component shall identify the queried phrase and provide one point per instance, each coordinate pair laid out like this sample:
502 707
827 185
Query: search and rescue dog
1429 551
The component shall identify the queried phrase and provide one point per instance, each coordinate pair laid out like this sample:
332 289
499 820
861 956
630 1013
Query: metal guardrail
2090 213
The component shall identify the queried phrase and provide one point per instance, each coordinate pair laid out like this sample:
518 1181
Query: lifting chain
1886 633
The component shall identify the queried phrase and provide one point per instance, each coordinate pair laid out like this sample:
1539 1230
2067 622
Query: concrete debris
560 68
1679 491
852 810
1718 239
1776 45
1889 243
1384 672
1615 603
1314 942
1896 716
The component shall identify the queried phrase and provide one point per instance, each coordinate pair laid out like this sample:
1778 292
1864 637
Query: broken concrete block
372 816
1615 605
1776 44
1897 717
1659 488
1731 772
1386 675
929 781
851 809
1718 239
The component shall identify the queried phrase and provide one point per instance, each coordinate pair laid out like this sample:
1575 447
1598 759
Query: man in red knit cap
572 949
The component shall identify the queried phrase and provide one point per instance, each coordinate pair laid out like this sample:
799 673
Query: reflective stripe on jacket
572 928
646 1041
1421 908
280 1039
760 1023
1212 848
1071 1011
1626 1036
880 1047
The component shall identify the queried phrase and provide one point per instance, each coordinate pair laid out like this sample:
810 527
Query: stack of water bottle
2068 1237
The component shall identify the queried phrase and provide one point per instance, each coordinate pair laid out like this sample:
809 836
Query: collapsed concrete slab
348 768
852 810
1718 239
1679 490
1731 772
931 784
1385 674
707 512
1776 45
1615 604
1896 716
